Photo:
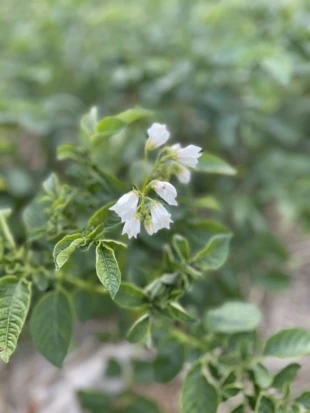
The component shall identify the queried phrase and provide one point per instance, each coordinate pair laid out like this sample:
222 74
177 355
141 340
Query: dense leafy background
231 76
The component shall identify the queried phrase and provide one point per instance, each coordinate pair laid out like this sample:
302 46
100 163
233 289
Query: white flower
132 227
187 156
126 206
158 135
166 191
183 174
160 219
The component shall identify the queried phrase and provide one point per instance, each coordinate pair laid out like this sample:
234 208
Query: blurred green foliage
231 75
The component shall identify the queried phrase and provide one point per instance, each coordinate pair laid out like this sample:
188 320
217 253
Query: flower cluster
135 206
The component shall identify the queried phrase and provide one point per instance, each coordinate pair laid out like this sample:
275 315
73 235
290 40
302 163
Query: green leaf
101 215
130 296
304 399
265 405
114 369
233 317
208 202
107 127
286 376
34 217
107 269
83 305
51 184
40 281
140 329
209 163
67 151
134 403
89 122
132 115
274 282
65 247
51 326
115 244
169 360
198 395
143 371
262 376
181 246
94 401
15 297
292 342
177 312
200 232
214 254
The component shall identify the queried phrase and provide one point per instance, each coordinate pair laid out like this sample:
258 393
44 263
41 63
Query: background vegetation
230 76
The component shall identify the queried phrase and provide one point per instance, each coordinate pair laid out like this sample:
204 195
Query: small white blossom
132 227
149 226
166 191
183 174
160 219
187 156
126 206
158 134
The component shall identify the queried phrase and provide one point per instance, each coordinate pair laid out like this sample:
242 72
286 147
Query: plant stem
84 285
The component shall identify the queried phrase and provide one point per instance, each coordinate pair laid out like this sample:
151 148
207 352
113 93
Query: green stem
83 285
158 161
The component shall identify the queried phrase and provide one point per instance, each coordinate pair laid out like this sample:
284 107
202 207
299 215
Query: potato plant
121 222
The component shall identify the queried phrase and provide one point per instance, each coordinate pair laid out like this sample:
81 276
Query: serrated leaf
130 296
262 376
212 164
134 114
214 254
107 269
233 317
65 247
51 326
286 376
292 342
83 305
15 298
169 360
304 399
198 395
140 329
